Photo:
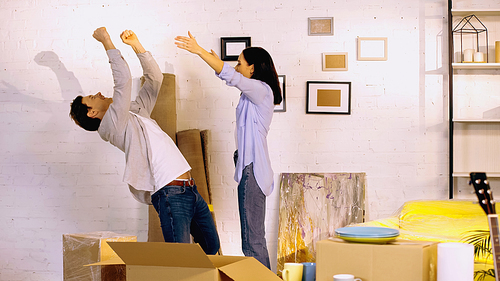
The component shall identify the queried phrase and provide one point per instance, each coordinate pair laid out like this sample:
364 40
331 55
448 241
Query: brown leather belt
189 182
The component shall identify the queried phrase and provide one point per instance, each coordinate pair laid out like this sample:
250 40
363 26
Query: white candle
468 54
478 57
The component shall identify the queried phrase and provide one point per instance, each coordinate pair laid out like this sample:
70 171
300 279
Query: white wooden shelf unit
474 143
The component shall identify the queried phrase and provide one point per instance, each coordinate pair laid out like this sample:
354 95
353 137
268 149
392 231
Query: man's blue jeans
252 207
183 211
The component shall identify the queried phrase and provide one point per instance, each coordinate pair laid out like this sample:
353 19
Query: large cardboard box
395 261
187 262
80 249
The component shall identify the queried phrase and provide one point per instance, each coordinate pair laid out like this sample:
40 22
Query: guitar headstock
483 192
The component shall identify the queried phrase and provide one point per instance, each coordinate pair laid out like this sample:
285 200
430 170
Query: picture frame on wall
231 47
282 106
334 61
372 48
320 26
327 97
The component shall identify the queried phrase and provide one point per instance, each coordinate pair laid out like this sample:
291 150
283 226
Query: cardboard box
187 262
80 249
395 261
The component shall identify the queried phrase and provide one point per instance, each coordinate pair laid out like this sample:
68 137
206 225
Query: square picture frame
327 97
282 106
372 48
336 61
231 47
320 26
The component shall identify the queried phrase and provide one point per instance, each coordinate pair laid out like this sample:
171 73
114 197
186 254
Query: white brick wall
56 178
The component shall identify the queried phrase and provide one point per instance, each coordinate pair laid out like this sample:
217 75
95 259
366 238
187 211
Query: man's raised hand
101 35
128 37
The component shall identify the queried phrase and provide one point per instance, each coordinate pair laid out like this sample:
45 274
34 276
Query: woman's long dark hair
264 69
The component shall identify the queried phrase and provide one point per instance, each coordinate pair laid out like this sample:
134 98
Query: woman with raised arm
255 76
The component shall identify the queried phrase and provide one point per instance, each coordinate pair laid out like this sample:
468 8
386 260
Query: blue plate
381 240
366 232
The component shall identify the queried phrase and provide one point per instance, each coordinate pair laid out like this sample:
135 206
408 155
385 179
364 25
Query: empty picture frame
320 26
334 61
282 106
325 97
372 48
231 47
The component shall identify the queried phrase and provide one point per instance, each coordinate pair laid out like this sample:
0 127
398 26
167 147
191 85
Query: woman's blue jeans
252 207
182 212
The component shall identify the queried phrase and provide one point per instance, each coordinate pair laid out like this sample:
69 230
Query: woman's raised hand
188 44
212 52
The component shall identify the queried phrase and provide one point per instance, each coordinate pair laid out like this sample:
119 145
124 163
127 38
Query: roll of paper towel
455 262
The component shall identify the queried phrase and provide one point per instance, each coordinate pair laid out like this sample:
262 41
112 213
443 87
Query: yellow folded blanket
437 220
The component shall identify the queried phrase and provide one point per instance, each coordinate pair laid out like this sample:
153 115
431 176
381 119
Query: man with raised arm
156 171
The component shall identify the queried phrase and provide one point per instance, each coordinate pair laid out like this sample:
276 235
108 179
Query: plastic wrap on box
113 272
312 206
81 249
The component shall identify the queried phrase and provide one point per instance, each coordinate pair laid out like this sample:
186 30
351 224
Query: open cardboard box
399 260
187 262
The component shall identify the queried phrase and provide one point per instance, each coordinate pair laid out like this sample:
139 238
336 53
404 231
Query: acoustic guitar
485 196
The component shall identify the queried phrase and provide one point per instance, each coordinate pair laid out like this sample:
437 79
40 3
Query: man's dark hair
79 112
263 69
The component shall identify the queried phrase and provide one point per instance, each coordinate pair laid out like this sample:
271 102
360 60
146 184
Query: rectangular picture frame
334 61
231 47
372 48
328 97
282 106
320 26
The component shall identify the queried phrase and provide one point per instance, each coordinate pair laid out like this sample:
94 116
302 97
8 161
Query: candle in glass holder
478 57
468 55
